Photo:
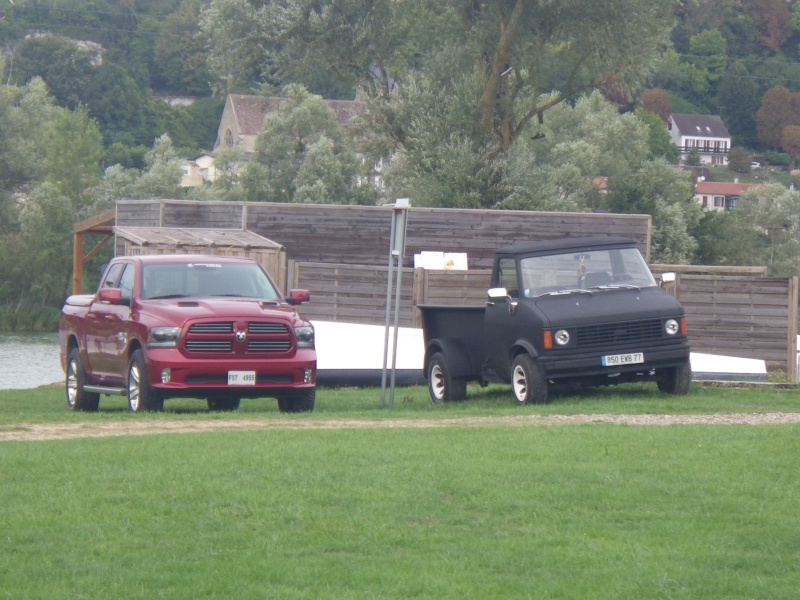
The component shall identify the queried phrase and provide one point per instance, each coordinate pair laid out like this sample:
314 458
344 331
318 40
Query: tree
739 160
74 152
772 19
60 62
774 212
180 53
790 142
659 141
303 154
709 50
778 109
738 98
656 101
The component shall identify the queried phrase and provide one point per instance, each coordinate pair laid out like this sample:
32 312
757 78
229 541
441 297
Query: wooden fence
748 317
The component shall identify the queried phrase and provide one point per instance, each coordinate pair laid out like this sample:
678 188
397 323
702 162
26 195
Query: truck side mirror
498 295
109 295
298 297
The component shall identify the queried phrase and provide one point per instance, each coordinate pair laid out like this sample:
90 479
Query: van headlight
672 327
163 337
562 337
304 336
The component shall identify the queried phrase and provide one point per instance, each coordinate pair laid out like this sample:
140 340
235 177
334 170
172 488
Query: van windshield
184 280
595 269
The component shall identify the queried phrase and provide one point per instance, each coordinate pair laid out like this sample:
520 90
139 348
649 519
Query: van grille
617 333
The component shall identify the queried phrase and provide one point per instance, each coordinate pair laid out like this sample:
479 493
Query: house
195 172
243 117
705 133
721 195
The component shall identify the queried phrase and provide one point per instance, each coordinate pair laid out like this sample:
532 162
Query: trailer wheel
77 397
441 384
527 381
675 380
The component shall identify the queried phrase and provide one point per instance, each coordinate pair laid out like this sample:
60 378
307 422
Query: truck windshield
594 269
182 280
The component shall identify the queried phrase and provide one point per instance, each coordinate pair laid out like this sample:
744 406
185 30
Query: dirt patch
63 431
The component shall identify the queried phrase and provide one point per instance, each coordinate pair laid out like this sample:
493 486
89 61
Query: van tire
675 380
527 381
443 387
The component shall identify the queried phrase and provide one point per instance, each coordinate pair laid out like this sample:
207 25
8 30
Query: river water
28 360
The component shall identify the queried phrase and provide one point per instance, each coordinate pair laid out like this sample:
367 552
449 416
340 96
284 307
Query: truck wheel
223 404
527 382
77 397
442 386
298 402
675 380
141 397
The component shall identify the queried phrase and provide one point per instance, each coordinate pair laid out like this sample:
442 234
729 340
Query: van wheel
141 397
298 401
527 381
77 397
442 386
223 404
675 380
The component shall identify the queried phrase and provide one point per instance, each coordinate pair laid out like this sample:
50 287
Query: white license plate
617 360
241 377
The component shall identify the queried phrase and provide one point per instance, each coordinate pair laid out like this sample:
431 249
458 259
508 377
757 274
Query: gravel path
62 431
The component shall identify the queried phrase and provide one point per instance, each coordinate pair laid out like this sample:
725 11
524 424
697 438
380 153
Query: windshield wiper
569 291
167 296
617 286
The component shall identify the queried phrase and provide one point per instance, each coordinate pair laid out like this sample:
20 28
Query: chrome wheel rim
72 383
134 389
437 382
520 384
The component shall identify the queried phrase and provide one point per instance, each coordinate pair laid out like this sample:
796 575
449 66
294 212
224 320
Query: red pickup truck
187 326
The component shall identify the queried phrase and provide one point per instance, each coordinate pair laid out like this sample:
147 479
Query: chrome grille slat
221 345
269 345
222 327
274 328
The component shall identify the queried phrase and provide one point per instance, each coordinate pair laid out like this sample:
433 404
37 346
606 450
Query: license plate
241 377
617 360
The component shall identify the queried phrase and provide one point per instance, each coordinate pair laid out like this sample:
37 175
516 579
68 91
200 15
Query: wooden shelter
102 225
134 241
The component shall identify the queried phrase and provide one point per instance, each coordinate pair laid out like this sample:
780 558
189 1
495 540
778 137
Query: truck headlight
672 327
163 337
562 337
304 336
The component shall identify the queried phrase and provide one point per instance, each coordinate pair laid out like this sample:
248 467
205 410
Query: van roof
568 244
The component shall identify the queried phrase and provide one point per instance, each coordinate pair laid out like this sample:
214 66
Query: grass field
580 511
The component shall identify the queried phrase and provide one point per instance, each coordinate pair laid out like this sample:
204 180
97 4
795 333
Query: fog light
166 375
308 375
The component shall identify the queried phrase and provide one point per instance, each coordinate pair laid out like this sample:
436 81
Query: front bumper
588 364
207 376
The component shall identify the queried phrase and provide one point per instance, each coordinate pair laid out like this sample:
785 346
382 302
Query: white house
195 172
705 133
721 195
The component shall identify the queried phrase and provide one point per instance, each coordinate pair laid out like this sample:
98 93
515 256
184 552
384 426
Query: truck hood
180 310
607 306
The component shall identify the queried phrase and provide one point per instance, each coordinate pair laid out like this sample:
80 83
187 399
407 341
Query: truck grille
611 333
263 337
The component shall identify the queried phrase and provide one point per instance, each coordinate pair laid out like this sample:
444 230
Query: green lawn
581 511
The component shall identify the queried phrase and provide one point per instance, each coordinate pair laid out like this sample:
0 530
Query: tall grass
592 511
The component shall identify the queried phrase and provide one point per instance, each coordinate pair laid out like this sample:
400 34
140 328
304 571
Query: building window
719 201
228 138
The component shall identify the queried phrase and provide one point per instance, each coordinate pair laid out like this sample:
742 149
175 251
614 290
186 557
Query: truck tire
442 386
77 397
223 404
141 397
527 381
297 402
675 380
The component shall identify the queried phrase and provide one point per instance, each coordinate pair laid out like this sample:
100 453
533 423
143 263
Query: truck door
500 324
106 328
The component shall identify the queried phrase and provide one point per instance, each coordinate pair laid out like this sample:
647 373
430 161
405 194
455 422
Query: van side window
507 276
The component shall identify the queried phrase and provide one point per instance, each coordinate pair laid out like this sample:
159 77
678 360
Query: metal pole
388 311
403 217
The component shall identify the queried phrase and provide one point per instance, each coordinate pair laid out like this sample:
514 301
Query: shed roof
174 236
725 188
